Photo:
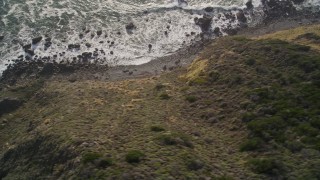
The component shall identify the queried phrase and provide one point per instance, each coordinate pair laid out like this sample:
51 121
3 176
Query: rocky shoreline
82 67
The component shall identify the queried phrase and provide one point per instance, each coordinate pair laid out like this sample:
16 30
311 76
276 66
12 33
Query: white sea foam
63 21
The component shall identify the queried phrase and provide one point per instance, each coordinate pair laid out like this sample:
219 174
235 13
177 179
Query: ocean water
166 25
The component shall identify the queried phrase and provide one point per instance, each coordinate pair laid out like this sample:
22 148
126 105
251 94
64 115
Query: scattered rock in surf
241 17
204 22
166 33
111 52
101 42
168 27
47 43
119 33
36 40
73 46
92 36
80 36
99 33
230 31
150 47
217 31
208 9
249 5
88 45
130 26
29 52
298 1
87 31
26 47
1 38
192 33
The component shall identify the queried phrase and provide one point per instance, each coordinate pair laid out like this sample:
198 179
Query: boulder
208 9
88 45
9 104
36 40
30 52
249 5
48 69
241 17
99 33
26 47
1 38
130 26
204 22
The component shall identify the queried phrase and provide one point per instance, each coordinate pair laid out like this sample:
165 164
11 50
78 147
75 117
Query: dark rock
36 40
30 52
88 45
80 36
99 33
192 33
47 45
166 33
204 22
230 31
298 1
111 52
9 104
26 47
275 8
48 69
70 46
130 26
217 31
101 42
241 17
119 33
208 9
249 5
1 38
150 46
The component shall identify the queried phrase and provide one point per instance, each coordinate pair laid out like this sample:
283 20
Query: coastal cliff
241 108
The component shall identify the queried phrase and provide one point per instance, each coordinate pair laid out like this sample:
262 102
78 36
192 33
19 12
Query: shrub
104 162
251 144
195 164
247 117
90 157
175 139
250 62
265 166
294 146
164 96
159 87
191 99
134 156
214 76
268 128
157 128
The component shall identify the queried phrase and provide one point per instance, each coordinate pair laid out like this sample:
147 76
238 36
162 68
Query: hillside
244 109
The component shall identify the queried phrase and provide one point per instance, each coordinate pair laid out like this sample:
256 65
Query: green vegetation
90 157
134 156
252 144
267 166
175 139
157 128
242 100
191 99
164 96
